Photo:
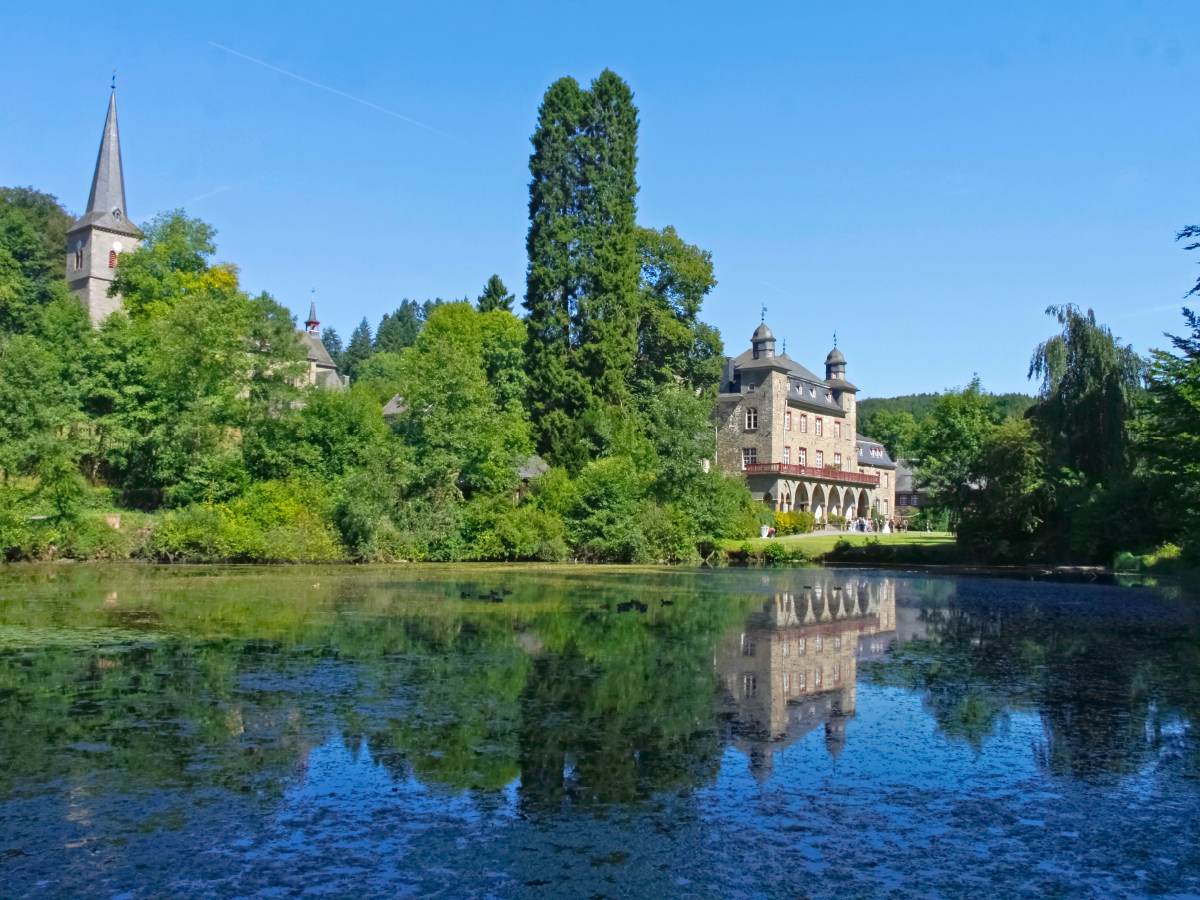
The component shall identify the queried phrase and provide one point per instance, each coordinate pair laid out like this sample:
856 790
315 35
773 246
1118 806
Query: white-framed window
837 429
820 423
751 417
800 678
787 456
787 646
837 673
837 460
903 500
749 685
803 423
885 509
817 678
749 648
749 456
787 421
800 647
885 479
802 457
787 683
817 644
820 459
837 642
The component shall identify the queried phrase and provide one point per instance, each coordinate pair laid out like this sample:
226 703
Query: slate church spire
104 232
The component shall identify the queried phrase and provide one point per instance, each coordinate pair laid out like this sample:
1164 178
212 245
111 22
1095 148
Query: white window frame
804 423
837 429
820 426
749 457
802 457
751 418
787 456
787 421
820 459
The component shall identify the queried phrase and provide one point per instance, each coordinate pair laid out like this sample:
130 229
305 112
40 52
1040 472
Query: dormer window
117 213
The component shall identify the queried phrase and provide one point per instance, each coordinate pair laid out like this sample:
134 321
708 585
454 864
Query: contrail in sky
777 288
323 87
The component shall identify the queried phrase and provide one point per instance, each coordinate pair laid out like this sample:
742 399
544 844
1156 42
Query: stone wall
90 282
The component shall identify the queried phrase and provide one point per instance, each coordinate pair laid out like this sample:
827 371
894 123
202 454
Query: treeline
1103 466
183 409
918 406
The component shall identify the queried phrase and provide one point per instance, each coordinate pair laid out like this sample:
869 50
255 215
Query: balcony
827 473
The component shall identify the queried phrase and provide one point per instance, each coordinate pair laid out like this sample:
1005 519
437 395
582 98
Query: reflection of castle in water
793 666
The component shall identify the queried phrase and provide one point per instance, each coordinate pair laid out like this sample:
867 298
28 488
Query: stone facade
97 249
794 437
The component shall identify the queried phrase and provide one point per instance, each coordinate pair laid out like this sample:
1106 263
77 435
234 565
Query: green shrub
796 522
274 520
495 529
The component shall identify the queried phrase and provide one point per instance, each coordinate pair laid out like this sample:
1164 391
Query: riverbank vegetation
1103 467
180 429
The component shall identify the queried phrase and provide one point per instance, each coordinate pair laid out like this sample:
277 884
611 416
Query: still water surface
220 733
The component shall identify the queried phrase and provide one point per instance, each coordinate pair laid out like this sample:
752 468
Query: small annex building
96 241
793 435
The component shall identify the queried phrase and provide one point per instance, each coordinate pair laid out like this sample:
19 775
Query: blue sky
922 178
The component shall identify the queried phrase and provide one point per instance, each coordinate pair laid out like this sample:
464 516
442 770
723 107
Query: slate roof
106 203
316 351
394 407
532 468
865 457
904 477
803 386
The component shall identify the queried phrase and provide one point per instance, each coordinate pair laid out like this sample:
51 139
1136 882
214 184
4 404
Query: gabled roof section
316 351
106 203
867 450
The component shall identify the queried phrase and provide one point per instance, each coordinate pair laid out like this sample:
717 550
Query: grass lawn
822 542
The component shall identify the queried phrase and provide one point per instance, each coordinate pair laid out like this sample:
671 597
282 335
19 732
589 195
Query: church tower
104 232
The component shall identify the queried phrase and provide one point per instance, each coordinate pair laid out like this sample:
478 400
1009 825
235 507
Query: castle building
794 438
104 232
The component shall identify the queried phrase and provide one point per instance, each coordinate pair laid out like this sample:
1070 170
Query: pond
593 732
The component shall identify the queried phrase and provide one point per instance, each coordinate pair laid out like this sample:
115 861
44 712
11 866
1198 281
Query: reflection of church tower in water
793 666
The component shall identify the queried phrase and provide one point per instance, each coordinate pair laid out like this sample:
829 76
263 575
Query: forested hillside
920 405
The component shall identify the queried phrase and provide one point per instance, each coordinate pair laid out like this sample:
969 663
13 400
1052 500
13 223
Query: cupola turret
763 342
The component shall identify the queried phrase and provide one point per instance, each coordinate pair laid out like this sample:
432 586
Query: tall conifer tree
495 296
582 280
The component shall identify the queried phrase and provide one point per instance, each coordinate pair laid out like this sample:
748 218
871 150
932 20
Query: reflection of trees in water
1112 684
593 705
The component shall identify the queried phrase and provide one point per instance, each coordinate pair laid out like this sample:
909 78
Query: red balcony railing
811 472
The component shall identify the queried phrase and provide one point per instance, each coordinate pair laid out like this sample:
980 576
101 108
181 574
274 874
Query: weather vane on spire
114 81
835 340
764 314
785 345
